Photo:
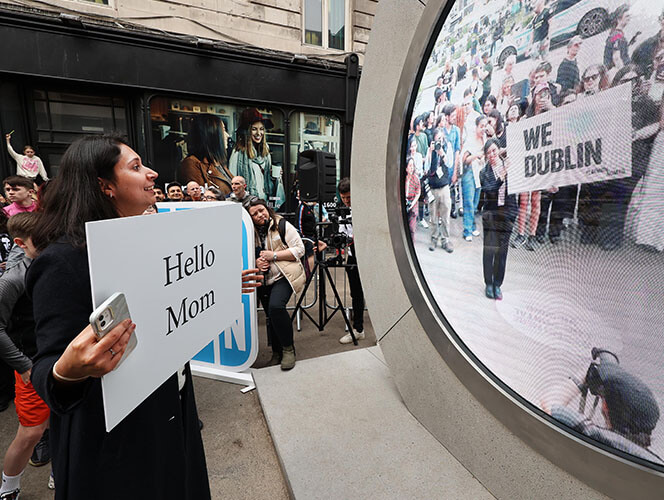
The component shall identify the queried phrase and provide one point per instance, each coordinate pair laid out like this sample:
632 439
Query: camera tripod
322 268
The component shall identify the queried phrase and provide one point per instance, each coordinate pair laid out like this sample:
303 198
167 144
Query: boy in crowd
20 192
17 345
174 191
159 193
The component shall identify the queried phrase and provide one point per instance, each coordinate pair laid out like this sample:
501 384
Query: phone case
110 313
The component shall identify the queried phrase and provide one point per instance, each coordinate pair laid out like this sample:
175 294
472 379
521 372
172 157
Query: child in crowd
20 192
17 346
28 164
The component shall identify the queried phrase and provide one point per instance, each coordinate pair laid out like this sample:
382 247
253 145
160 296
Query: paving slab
341 430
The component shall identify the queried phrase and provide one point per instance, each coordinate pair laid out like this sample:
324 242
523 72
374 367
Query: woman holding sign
104 179
498 214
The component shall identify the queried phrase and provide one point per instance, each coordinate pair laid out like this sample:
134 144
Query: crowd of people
457 164
50 359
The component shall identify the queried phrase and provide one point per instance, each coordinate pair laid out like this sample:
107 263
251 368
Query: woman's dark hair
74 197
492 99
500 125
490 143
259 201
41 192
206 139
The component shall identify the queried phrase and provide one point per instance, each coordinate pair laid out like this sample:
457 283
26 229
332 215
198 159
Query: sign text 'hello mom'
178 268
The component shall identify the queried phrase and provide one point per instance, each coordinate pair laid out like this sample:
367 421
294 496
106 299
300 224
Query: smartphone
110 313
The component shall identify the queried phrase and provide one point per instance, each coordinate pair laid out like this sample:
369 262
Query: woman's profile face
257 131
132 187
259 215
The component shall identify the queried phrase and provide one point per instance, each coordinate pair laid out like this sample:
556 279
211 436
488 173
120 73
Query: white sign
180 273
588 140
236 348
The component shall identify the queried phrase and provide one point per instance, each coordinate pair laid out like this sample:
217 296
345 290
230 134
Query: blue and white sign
236 347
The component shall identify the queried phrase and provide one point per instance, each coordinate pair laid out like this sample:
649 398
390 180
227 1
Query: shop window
63 117
208 142
312 131
325 23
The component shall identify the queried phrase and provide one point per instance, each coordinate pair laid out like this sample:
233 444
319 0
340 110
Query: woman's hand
25 376
87 356
267 255
262 264
251 279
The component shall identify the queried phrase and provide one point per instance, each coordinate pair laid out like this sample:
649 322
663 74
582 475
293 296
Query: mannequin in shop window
206 163
251 157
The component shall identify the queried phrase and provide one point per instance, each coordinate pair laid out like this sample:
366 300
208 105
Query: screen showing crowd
534 193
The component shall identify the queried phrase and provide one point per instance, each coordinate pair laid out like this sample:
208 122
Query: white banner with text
589 140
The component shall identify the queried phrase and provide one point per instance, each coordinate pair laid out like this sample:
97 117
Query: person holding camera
438 176
352 271
279 251
629 408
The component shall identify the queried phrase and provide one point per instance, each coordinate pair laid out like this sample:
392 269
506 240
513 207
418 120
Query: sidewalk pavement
341 430
241 460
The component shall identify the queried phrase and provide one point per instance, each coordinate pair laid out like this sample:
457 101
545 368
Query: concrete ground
354 437
241 459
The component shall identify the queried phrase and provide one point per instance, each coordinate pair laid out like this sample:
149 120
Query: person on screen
413 190
105 179
540 27
616 47
498 214
462 68
628 407
644 55
568 71
473 158
541 103
593 80
505 96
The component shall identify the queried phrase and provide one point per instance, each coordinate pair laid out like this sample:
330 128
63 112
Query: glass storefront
222 128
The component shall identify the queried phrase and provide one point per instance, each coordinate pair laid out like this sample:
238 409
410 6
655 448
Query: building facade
150 70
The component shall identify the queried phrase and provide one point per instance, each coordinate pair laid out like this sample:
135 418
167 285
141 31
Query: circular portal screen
534 196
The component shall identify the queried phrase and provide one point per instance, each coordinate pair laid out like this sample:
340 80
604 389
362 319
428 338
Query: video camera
330 233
